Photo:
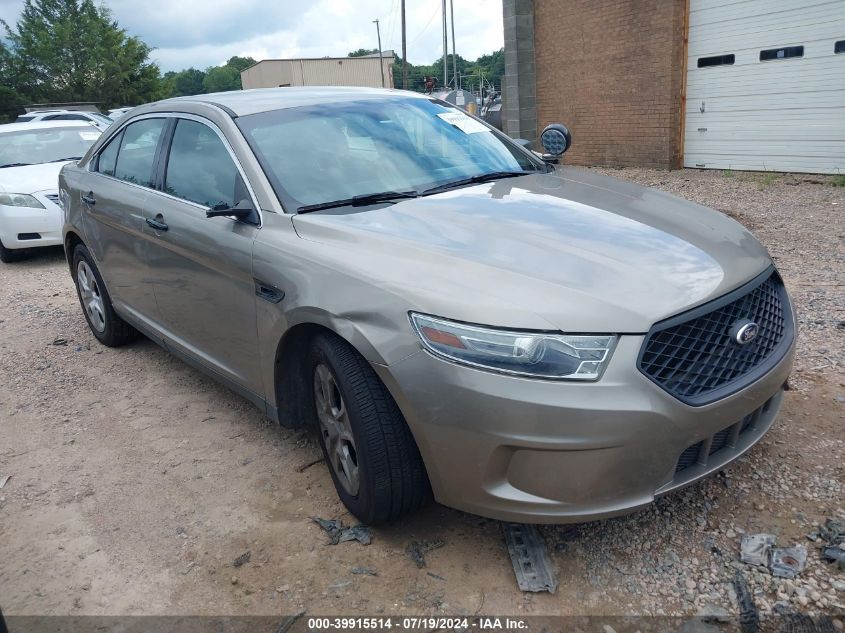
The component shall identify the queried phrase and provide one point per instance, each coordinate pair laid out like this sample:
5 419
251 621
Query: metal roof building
321 71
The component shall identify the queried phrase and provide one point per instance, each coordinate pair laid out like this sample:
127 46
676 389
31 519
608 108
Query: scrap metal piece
243 559
418 549
836 554
4 479
754 549
788 562
530 558
339 533
749 618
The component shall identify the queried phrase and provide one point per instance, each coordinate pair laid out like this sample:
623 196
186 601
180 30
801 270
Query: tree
221 78
72 50
185 82
11 101
240 63
363 52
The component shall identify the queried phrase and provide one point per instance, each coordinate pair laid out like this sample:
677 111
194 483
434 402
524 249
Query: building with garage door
720 84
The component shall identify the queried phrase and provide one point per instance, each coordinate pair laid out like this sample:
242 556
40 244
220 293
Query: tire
106 326
7 255
392 481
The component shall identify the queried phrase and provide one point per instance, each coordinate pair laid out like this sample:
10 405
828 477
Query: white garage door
766 85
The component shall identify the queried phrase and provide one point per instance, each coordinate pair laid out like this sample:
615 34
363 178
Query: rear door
202 266
115 194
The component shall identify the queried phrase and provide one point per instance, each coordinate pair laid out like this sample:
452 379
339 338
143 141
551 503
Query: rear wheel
372 457
109 328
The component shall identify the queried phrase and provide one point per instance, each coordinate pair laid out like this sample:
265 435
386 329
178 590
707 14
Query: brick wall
612 71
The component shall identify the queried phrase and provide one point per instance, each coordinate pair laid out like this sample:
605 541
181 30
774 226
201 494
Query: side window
138 150
200 169
108 157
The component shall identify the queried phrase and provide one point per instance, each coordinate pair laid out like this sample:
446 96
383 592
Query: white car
101 121
115 114
31 156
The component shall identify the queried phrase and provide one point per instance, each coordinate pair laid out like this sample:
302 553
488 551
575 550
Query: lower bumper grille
699 453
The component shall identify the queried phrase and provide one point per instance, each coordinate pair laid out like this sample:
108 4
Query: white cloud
201 33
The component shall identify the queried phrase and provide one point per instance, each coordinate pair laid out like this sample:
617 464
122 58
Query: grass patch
838 181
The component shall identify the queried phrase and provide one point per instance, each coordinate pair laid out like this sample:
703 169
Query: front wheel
373 460
105 324
7 255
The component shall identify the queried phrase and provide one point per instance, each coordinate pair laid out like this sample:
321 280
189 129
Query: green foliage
221 78
362 52
491 67
838 181
72 50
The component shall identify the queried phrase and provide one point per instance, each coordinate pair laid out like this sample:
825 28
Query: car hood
31 178
570 250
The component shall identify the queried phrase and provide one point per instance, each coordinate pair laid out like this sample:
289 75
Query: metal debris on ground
243 559
364 571
792 622
755 548
287 622
418 549
4 479
59 342
788 562
339 533
749 618
834 554
530 559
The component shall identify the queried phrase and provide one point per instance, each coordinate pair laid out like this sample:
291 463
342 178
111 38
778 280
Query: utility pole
445 51
404 52
380 61
454 55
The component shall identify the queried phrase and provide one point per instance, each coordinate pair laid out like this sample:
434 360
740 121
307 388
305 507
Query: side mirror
524 142
242 210
556 139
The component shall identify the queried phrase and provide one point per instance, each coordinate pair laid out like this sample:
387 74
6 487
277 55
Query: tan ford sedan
455 315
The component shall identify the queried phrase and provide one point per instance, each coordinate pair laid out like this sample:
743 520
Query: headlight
20 200
536 354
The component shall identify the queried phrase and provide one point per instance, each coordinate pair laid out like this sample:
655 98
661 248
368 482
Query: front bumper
26 227
554 452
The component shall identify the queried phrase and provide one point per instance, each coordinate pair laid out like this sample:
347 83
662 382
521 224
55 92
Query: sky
208 32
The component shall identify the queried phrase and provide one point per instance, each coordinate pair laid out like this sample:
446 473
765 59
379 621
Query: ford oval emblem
745 331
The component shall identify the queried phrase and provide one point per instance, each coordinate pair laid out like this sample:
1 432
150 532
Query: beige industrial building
321 71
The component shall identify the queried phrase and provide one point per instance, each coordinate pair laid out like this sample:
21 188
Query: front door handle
88 198
158 222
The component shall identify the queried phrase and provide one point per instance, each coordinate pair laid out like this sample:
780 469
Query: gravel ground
137 482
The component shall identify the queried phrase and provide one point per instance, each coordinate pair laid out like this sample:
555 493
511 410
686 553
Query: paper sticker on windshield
466 124
89 136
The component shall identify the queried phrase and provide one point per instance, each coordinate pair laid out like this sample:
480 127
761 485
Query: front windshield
336 151
45 145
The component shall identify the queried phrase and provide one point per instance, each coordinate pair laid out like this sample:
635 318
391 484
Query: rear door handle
158 222
89 198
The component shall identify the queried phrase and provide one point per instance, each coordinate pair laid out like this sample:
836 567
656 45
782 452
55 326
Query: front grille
694 356
700 452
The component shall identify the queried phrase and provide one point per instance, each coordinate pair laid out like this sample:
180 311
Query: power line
428 24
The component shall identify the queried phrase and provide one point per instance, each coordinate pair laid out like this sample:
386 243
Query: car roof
43 125
245 102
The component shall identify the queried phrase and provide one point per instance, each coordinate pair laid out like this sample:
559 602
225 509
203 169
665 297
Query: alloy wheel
333 419
92 300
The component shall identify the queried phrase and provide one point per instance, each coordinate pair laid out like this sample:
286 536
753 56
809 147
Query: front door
202 267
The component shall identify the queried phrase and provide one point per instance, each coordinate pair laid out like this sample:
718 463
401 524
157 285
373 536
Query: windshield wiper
493 175
359 201
61 160
15 165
